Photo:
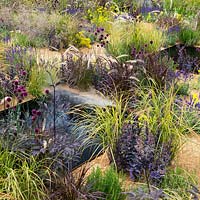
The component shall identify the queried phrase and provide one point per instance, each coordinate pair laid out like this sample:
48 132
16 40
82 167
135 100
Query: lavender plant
13 81
19 61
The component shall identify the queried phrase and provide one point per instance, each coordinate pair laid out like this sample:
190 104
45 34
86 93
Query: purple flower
23 73
16 82
46 91
8 99
37 130
38 113
25 94
34 112
33 118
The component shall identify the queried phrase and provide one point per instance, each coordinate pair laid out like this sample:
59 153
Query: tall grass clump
189 37
126 36
161 113
103 125
40 77
120 38
19 177
146 33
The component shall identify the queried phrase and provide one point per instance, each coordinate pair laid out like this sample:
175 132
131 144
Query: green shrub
19 39
189 37
4 33
66 29
109 183
183 89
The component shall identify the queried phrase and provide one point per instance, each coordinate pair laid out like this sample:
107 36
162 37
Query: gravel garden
99 100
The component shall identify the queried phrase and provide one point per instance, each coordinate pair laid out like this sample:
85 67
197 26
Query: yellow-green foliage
126 35
120 38
82 40
101 17
40 77
105 124
18 177
36 81
146 32
161 112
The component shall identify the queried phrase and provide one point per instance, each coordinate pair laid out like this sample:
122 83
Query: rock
76 97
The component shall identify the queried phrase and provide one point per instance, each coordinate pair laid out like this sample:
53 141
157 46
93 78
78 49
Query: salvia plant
140 153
